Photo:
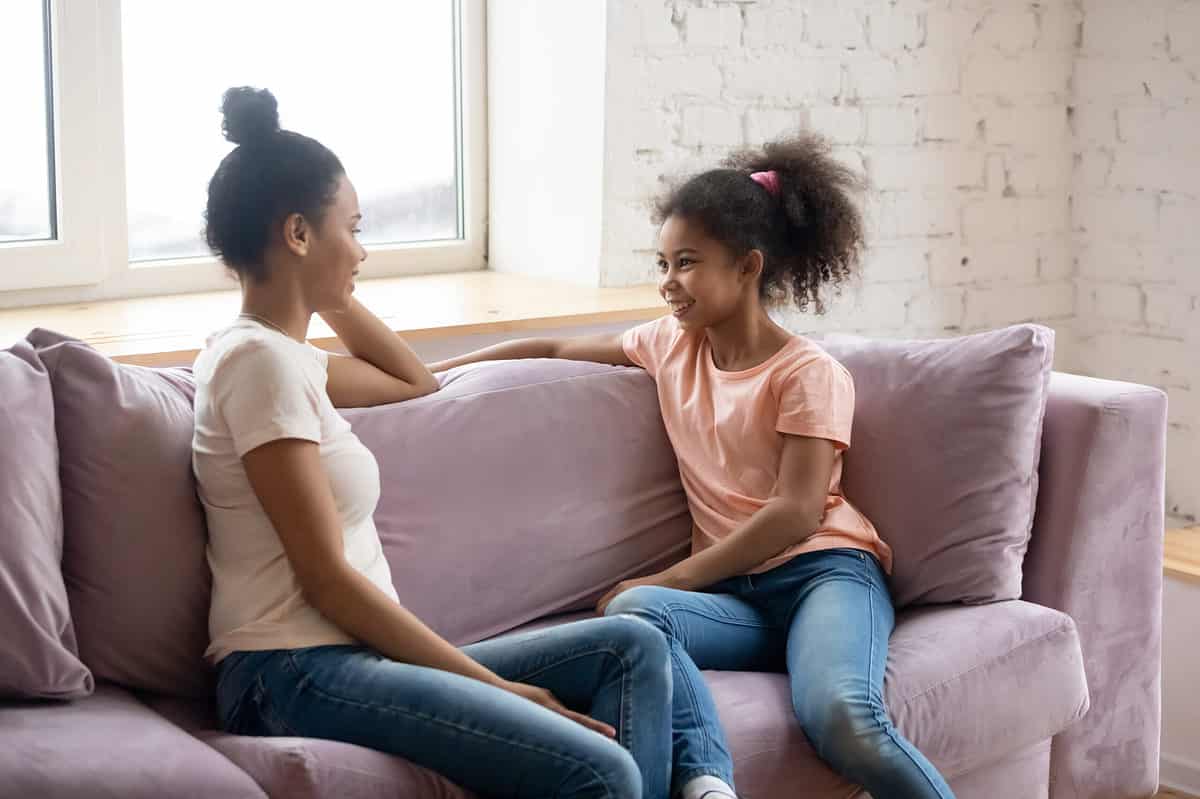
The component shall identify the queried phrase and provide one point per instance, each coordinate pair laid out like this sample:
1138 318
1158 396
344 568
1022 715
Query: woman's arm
290 482
382 367
791 515
604 348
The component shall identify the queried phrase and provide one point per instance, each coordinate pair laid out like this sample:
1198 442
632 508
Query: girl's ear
751 265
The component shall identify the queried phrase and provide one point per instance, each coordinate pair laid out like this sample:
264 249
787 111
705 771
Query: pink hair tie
768 180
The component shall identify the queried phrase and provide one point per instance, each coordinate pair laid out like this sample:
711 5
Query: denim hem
678 781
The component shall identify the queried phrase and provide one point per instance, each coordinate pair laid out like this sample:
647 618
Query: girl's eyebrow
680 251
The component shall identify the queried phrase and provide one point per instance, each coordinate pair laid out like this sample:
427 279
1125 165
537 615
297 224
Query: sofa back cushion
134 531
944 458
522 489
38 655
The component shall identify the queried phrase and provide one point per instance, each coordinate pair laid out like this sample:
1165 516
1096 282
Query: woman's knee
610 773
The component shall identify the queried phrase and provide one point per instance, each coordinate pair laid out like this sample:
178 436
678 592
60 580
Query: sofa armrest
1096 554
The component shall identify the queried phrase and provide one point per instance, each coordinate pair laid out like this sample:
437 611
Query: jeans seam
395 711
264 708
675 607
878 710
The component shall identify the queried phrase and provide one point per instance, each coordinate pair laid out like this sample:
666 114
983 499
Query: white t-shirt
255 385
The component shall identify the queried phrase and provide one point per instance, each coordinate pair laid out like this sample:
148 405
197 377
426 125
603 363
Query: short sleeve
646 345
816 399
264 393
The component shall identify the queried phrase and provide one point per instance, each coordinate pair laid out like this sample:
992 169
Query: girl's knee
843 730
638 636
647 602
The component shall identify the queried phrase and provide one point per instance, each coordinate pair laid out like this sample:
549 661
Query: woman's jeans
481 737
823 616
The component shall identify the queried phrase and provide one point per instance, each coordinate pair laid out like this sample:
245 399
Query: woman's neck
281 306
745 339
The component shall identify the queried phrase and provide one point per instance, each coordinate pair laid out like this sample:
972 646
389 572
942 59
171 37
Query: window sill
170 330
1181 556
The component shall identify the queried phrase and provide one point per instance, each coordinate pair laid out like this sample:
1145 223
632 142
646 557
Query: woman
307 631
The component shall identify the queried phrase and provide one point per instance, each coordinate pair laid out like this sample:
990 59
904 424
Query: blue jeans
825 618
481 737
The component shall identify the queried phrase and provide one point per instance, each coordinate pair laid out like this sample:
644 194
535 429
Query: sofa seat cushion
965 684
108 745
309 768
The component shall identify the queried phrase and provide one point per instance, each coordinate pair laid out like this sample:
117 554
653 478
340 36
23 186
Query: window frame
89 260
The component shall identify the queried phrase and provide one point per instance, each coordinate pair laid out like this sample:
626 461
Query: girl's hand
661 579
547 700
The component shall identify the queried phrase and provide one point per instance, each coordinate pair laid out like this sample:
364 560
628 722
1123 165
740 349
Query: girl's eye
356 231
662 266
685 261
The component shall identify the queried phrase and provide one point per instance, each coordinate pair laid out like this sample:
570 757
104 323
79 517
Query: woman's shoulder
248 352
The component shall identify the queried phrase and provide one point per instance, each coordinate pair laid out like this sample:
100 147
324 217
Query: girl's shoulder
809 362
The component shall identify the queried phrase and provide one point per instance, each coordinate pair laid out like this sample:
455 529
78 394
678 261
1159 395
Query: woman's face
333 255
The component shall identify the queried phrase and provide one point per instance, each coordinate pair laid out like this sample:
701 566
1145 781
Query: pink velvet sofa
1025 508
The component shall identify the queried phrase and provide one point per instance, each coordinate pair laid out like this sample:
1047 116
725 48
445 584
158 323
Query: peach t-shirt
727 430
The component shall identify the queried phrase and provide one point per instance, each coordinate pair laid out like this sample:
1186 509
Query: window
26 207
395 89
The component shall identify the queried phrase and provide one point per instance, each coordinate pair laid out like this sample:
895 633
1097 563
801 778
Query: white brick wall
956 111
1028 161
1136 188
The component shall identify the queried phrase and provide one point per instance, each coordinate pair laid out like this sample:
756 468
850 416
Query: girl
784 571
306 626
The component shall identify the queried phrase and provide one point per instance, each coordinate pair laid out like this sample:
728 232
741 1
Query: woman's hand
541 696
663 579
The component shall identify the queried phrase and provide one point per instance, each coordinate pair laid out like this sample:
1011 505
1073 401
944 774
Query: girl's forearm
365 336
775 527
508 350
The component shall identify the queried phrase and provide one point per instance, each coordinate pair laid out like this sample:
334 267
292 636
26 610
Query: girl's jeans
823 616
479 736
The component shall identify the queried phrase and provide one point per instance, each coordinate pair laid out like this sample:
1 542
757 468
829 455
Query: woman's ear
296 234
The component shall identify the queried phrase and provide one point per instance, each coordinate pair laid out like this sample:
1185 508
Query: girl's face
331 260
699 277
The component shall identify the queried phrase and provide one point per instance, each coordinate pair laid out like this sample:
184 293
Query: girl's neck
281 306
745 339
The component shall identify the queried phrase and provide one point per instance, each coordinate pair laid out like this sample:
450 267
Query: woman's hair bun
249 114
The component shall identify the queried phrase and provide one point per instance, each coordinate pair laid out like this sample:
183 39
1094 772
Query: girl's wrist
677 577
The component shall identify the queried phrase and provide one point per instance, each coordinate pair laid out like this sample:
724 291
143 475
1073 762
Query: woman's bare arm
382 368
290 482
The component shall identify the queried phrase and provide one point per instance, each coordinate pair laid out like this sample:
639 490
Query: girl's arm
790 516
382 367
290 482
604 348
